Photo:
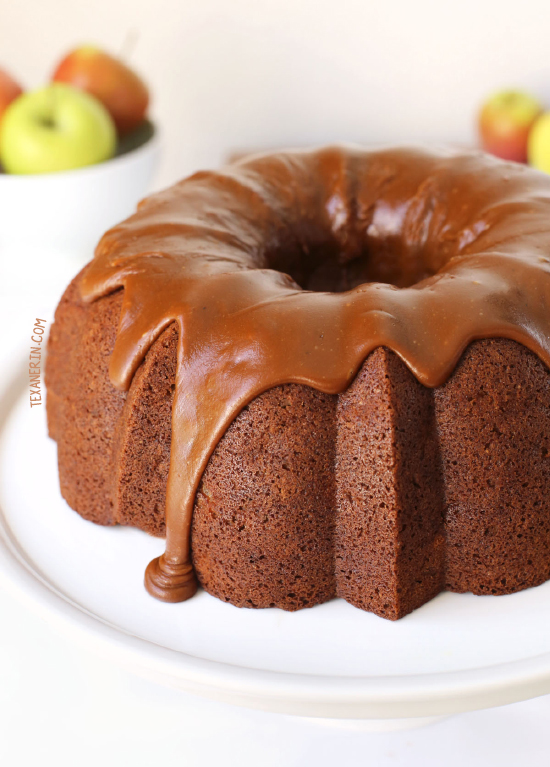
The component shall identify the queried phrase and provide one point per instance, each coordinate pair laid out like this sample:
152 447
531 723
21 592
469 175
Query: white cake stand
457 653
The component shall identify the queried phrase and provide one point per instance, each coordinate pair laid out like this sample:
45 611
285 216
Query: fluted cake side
384 494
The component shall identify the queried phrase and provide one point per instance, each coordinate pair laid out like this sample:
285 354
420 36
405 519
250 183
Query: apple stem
129 44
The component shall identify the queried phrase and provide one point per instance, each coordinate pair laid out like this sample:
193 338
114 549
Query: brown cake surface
320 373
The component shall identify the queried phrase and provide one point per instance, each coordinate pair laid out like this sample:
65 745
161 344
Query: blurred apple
9 90
504 124
55 128
119 88
538 146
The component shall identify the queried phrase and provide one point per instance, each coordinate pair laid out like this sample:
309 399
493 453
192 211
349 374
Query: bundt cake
319 373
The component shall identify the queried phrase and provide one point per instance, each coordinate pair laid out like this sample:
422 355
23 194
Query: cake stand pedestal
333 662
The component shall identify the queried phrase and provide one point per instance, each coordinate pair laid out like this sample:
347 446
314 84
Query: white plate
457 653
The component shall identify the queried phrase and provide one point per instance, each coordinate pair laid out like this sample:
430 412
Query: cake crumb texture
384 495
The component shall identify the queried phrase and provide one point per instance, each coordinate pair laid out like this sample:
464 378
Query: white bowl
68 212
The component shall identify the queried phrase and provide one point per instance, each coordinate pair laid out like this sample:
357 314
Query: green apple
55 128
538 146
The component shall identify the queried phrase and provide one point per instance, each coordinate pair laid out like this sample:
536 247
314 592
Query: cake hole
344 253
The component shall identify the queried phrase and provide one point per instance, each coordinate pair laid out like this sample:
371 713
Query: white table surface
61 705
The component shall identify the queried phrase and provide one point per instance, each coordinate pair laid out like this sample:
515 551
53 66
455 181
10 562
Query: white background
237 75
231 74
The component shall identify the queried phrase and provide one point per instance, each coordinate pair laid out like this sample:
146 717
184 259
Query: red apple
120 89
9 90
505 121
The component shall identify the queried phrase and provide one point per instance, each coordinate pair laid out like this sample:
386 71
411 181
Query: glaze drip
431 250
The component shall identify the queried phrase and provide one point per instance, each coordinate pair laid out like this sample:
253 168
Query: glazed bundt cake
319 373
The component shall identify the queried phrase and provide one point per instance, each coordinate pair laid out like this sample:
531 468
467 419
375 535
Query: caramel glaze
292 267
